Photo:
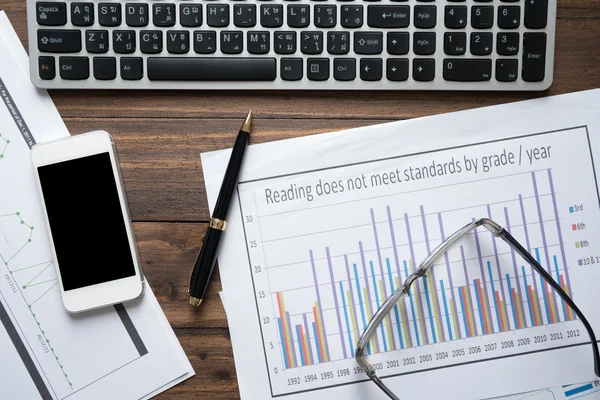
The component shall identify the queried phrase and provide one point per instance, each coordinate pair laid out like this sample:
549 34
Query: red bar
499 311
574 227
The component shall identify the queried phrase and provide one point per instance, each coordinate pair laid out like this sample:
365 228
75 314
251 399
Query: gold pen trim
217 223
195 301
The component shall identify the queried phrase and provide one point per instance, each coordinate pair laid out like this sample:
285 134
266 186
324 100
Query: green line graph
4 142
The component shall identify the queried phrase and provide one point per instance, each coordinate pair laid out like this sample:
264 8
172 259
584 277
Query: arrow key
397 43
397 69
509 17
423 69
481 43
371 69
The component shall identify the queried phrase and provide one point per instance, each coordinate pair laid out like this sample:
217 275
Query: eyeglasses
427 264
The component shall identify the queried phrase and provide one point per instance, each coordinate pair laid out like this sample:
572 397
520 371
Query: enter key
388 16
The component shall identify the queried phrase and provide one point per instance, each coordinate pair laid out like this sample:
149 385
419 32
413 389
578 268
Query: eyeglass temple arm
511 241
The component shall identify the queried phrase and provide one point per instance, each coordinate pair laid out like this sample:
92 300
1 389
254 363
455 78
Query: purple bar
560 239
381 270
351 295
485 287
314 271
464 262
307 333
516 269
489 210
337 308
529 250
546 255
403 303
449 274
370 305
434 288
287 317
417 286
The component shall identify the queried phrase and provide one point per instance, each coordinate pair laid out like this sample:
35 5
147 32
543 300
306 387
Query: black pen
205 263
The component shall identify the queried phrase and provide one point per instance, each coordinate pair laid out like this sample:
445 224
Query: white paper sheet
280 234
120 352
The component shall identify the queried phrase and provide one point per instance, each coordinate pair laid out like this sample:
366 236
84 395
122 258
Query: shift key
59 41
534 57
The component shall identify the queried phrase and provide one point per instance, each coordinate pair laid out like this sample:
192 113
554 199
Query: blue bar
558 281
464 312
378 305
528 302
578 390
429 310
347 322
446 309
316 336
300 344
389 267
512 302
362 306
282 341
412 307
494 295
543 288
479 307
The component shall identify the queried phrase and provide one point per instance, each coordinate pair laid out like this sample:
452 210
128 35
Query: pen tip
247 125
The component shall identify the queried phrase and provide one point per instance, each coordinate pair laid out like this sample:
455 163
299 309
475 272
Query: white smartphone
88 221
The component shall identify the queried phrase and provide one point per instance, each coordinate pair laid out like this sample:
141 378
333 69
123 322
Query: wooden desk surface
160 135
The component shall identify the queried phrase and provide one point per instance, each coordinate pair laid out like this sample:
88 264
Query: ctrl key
74 68
47 68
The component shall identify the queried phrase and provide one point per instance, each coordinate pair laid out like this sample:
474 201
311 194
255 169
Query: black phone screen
86 221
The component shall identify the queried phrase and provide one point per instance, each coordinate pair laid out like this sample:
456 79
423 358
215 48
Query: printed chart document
324 228
122 352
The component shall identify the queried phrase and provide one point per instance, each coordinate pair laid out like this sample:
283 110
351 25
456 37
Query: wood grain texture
159 136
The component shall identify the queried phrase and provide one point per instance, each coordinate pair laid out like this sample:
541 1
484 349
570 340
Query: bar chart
322 270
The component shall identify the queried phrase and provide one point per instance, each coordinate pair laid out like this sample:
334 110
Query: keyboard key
178 42
482 17
244 15
455 43
271 16
371 69
325 16
124 42
59 41
291 69
352 16
337 42
151 42
368 42
507 44
132 68
105 68
205 42
344 69
311 42
232 42
211 69
47 69
109 14
317 69
74 68
163 14
82 14
96 41
396 69
507 70
536 14
455 17
190 16
217 15
51 13
397 43
534 57
388 16
284 42
467 70
423 69
425 17
424 43
509 17
136 14
259 42
298 15
481 43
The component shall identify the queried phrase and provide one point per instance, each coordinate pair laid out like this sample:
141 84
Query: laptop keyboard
303 44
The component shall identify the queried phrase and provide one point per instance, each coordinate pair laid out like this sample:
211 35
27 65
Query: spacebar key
211 69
